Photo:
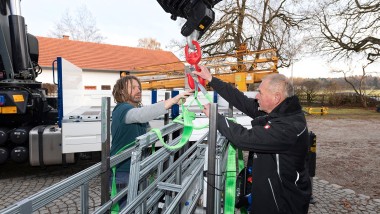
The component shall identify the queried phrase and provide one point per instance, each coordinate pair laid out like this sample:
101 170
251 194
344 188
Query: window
89 87
106 87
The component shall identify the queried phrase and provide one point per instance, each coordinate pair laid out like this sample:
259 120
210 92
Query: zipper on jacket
278 166
274 197
228 125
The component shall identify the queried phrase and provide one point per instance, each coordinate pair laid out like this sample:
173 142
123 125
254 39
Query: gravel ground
348 152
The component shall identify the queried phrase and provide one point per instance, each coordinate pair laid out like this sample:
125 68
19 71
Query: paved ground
332 198
17 183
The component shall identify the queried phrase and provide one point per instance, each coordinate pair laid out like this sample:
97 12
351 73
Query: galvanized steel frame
173 182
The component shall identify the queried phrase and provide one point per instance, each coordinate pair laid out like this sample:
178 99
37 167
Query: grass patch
375 92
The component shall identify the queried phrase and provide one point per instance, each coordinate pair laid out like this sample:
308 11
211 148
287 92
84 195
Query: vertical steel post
134 175
211 159
84 198
105 136
178 180
166 116
218 182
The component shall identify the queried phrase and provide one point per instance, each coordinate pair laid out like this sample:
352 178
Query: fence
338 99
179 176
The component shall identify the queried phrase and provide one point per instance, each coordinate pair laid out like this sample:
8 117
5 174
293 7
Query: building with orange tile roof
100 63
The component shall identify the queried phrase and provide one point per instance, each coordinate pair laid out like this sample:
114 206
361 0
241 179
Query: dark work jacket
279 140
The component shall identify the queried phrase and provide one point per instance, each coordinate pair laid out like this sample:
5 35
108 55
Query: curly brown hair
119 93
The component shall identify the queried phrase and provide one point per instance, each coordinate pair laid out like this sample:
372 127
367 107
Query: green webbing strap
241 165
197 100
115 208
179 120
204 91
230 184
187 122
231 172
186 119
208 97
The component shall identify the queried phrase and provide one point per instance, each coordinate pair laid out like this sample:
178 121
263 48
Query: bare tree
347 27
310 88
357 83
297 84
330 89
259 24
82 27
149 43
376 82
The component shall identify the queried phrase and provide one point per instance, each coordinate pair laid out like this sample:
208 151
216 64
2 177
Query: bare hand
179 99
206 109
204 73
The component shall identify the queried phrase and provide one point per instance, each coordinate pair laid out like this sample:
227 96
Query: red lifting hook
194 58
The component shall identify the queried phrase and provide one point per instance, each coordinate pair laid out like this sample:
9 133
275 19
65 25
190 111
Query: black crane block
198 13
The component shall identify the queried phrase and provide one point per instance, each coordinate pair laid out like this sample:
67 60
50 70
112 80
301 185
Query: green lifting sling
186 119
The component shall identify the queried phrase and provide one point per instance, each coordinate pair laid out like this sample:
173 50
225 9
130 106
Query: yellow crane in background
240 68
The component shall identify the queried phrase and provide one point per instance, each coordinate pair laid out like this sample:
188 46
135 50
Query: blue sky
123 22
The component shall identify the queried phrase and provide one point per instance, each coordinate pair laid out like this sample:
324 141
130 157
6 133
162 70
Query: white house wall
90 78
97 78
46 76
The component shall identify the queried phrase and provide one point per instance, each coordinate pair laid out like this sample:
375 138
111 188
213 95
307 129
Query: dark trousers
121 179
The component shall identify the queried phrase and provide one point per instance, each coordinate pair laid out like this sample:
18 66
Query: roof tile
97 56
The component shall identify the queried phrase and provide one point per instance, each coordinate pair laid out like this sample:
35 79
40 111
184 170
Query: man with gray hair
278 140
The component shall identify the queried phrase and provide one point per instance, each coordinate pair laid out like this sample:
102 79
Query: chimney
66 37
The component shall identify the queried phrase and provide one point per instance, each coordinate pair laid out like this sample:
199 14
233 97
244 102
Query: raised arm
148 113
